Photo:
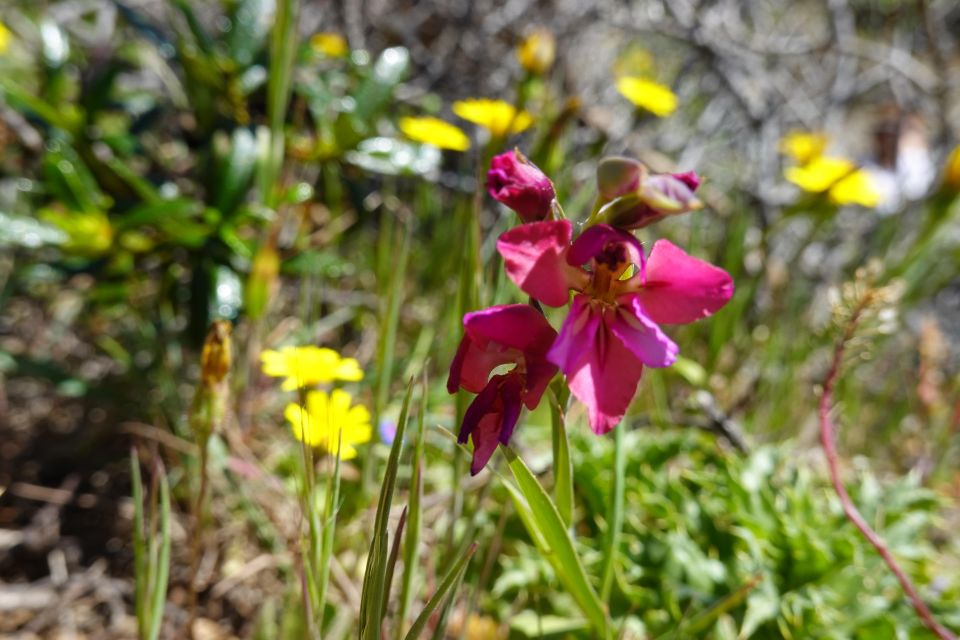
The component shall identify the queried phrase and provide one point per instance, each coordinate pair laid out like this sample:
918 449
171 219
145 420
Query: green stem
614 512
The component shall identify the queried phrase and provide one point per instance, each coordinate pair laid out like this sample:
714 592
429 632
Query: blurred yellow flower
332 45
819 174
496 116
436 132
839 177
538 51
646 94
803 146
89 232
482 628
856 188
304 366
951 175
328 421
5 37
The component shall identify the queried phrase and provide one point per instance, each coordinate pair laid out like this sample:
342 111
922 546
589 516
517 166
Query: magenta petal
482 405
486 437
640 334
534 256
679 288
518 326
602 238
689 178
576 335
606 380
510 392
456 367
539 374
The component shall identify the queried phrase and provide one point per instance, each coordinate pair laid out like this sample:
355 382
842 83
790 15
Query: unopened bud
519 184
538 51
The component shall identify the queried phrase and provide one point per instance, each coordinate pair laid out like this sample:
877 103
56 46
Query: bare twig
828 439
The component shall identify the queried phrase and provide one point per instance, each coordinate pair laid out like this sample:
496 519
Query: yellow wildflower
496 116
5 37
839 177
436 132
538 51
304 366
856 188
328 421
951 176
803 146
819 174
647 94
332 45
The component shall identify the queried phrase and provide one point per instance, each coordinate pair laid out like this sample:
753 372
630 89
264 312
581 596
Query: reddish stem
828 439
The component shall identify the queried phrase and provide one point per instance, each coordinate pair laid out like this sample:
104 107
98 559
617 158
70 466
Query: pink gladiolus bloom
519 184
514 334
621 298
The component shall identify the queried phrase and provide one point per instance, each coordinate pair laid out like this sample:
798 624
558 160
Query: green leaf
16 231
556 544
250 24
394 157
236 160
452 578
375 92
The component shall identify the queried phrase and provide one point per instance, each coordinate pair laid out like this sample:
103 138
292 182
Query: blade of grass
614 512
283 46
392 562
139 553
452 578
374 578
411 542
162 568
559 545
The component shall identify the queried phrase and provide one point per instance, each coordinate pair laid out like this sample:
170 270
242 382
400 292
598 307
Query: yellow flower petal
538 51
309 365
332 45
820 174
436 132
803 146
496 116
656 98
330 422
856 188
5 37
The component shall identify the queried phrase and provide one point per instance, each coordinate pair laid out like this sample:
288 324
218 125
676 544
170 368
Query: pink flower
514 334
612 329
519 184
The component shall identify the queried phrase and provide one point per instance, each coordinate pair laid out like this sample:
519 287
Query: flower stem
828 440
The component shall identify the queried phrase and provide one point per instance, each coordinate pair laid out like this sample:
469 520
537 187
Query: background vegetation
164 164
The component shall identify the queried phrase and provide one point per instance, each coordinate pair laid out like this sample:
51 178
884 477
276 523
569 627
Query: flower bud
215 357
537 52
951 175
519 184
632 198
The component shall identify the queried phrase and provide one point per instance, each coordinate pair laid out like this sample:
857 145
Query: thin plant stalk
196 546
614 512
828 440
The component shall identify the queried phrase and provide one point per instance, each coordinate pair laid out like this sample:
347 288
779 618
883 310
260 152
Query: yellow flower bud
951 175
538 51
215 358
